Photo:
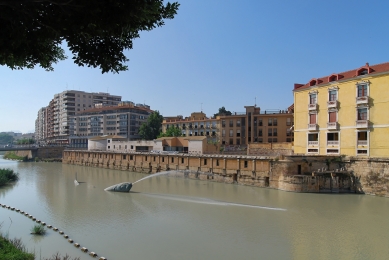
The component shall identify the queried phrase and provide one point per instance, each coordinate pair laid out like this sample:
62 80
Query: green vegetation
13 156
6 138
96 32
171 131
25 141
152 128
223 112
13 249
7 176
38 229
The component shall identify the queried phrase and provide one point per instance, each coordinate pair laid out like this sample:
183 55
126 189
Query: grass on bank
13 249
13 156
7 176
38 230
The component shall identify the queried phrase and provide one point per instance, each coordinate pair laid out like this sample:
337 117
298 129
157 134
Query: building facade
123 120
65 105
252 126
344 113
40 125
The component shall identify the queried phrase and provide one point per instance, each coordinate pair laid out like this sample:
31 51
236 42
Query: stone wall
270 149
49 152
293 173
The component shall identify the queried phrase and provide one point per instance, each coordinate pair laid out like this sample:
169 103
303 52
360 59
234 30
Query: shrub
38 230
7 175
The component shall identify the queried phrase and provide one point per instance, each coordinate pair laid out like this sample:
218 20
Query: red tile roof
344 75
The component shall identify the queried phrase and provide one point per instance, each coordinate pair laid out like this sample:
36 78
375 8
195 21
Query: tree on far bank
172 131
223 112
97 32
6 138
151 129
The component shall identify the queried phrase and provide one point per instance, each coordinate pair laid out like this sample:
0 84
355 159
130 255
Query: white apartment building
40 125
123 120
66 104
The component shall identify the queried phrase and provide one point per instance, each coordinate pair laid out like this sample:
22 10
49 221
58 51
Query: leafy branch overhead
97 32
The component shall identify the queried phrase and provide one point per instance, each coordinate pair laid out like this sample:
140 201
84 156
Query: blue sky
218 53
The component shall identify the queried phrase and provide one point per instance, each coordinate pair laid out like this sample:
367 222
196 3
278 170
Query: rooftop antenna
201 107
255 102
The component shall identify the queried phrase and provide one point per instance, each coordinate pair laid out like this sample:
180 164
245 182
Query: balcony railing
332 125
313 143
362 100
362 123
312 127
332 143
332 104
312 106
362 142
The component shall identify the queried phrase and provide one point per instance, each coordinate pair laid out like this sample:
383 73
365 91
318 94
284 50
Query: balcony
332 125
313 127
333 104
313 143
362 142
362 100
362 123
312 107
333 143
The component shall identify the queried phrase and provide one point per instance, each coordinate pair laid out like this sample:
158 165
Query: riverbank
311 174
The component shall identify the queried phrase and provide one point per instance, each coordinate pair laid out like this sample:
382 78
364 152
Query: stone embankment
318 174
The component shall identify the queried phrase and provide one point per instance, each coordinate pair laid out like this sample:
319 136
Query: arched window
312 82
333 78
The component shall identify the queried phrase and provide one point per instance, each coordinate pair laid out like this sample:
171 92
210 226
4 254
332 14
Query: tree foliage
97 32
171 132
151 129
25 141
223 112
6 138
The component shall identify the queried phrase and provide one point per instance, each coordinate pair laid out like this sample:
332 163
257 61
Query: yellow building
344 113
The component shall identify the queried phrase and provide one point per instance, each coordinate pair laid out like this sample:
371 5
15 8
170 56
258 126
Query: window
231 133
332 95
274 121
131 157
238 141
312 118
238 123
362 90
245 164
145 158
163 159
154 158
362 113
231 141
312 98
332 138
270 122
124 157
270 132
231 123
223 123
237 133
205 161
274 140
182 160
332 116
260 121
223 133
288 132
260 132
274 131
172 159
217 162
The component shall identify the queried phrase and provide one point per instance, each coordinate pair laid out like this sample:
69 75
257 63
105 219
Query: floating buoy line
83 249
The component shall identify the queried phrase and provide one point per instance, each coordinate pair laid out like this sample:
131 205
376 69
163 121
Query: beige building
252 126
40 125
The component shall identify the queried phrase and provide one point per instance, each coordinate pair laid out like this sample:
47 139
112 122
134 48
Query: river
176 218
